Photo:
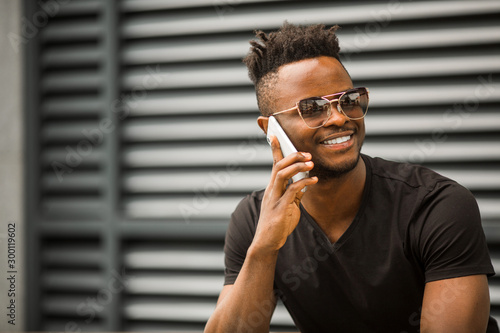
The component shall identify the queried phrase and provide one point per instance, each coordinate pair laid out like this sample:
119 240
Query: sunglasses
315 111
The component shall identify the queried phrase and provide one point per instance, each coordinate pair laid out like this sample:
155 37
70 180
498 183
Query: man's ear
263 121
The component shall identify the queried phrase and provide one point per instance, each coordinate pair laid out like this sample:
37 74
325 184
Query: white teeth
337 140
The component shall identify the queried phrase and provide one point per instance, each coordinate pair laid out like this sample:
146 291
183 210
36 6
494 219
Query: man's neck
335 202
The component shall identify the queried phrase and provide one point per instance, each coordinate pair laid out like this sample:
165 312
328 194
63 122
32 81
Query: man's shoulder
411 175
249 206
414 187
253 198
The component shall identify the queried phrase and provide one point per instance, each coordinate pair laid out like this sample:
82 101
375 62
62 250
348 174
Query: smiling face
336 146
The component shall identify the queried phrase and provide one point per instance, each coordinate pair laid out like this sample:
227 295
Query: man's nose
336 118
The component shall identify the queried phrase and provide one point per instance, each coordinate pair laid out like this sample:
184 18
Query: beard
327 172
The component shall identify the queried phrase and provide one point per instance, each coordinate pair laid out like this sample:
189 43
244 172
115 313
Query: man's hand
280 213
456 305
252 292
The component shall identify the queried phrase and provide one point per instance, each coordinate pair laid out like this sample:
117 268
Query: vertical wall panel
67 220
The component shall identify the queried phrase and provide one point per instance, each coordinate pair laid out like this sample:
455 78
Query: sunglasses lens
314 111
354 103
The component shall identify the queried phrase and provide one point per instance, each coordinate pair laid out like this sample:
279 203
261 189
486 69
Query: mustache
335 130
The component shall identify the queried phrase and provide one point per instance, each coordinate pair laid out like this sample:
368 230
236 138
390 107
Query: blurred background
129 135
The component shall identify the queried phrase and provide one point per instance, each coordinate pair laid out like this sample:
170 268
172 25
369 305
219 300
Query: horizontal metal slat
75 281
72 56
192 181
201 49
185 310
64 159
70 228
72 207
185 77
168 310
59 106
231 155
203 205
474 179
155 326
422 67
495 295
489 207
72 80
495 261
281 316
72 255
429 121
87 29
165 25
61 325
67 305
415 39
178 284
75 181
153 229
144 5
186 103
467 94
74 8
196 257
72 131
492 231
495 315
429 150
198 128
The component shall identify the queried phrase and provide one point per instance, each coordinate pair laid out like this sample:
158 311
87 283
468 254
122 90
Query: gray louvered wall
150 199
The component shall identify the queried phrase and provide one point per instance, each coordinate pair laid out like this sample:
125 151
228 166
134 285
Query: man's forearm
250 303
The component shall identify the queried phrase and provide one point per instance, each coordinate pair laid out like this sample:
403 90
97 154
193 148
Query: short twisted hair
289 44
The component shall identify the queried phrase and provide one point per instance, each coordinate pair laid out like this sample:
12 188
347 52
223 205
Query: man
371 245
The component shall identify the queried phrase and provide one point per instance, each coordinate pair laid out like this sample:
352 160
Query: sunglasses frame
329 112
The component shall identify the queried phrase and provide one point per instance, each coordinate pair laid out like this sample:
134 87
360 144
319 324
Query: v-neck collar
323 238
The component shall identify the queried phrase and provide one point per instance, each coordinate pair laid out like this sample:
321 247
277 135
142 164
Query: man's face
318 77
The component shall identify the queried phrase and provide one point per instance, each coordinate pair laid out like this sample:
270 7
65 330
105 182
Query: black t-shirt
413 226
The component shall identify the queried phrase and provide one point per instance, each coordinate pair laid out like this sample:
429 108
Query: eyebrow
337 93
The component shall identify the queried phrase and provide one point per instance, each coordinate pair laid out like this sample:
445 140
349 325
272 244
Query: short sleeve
239 236
450 235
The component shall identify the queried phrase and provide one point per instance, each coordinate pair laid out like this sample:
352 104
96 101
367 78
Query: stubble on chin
328 172
325 173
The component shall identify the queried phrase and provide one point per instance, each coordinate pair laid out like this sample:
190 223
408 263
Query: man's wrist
261 252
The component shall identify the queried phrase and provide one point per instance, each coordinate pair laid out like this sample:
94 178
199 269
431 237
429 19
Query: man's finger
294 192
276 149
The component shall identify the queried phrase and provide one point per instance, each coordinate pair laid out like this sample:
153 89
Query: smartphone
287 148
